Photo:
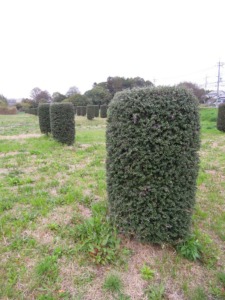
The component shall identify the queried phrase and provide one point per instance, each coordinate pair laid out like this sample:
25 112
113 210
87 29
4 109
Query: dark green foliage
83 111
78 110
103 111
221 117
96 111
77 100
152 162
90 112
62 122
44 118
33 111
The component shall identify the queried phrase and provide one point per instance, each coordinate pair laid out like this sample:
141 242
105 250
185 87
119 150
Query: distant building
213 100
11 102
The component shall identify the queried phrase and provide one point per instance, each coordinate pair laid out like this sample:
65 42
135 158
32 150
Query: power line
184 75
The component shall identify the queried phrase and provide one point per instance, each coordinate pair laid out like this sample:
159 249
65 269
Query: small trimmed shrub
152 162
221 117
78 110
44 118
90 112
96 111
103 111
62 122
83 111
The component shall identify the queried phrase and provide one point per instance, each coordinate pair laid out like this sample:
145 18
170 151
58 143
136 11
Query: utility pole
220 64
206 82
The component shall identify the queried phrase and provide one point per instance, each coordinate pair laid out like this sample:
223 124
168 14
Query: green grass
56 241
113 283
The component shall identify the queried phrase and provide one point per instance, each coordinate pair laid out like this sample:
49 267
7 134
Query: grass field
55 238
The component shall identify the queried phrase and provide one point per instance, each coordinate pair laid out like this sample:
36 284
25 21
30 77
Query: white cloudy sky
56 44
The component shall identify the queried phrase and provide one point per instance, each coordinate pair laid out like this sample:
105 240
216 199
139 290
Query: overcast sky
56 44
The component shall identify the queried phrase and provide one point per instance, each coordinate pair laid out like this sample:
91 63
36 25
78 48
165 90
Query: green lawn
56 241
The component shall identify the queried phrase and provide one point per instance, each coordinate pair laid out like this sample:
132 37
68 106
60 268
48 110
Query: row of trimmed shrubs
92 111
80 111
58 119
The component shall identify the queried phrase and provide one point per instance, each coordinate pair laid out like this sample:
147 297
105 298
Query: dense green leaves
152 162
103 111
78 110
83 111
44 118
62 122
90 112
32 111
221 117
96 111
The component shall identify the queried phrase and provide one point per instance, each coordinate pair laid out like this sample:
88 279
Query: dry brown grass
84 211
59 216
74 279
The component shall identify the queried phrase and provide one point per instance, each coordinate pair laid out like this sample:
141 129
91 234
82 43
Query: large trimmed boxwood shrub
62 122
44 118
90 112
221 117
152 162
103 111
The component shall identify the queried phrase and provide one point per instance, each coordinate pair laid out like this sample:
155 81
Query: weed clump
98 239
152 162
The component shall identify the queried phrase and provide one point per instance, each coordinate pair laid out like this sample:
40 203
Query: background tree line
101 93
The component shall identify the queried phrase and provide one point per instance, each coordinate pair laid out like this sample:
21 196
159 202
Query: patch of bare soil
24 284
134 284
202 187
74 280
4 171
19 136
18 209
211 172
84 146
12 153
53 192
162 259
83 163
84 211
214 145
